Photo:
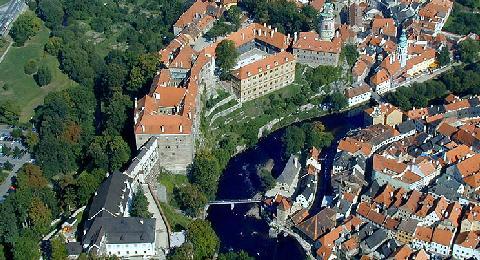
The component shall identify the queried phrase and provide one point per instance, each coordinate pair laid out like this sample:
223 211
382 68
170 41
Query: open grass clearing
21 88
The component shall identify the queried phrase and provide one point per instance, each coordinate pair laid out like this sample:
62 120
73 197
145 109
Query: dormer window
249 74
268 66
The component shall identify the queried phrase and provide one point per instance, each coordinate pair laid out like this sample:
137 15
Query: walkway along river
236 230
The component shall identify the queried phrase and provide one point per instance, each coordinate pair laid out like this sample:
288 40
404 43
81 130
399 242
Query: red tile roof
263 65
311 41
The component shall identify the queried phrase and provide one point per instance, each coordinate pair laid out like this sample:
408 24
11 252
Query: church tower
327 22
402 49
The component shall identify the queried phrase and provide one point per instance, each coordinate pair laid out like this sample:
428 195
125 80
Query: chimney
264 24
295 36
143 129
271 34
295 160
162 128
135 103
180 128
259 32
269 27
156 96
141 221
243 36
275 29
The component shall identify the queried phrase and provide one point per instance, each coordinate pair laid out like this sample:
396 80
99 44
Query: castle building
309 49
327 22
264 76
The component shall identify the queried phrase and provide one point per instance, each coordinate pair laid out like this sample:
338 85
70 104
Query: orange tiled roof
402 253
198 8
380 77
428 54
442 236
457 105
357 91
384 26
381 164
469 166
458 153
423 233
263 65
317 4
311 41
446 129
359 68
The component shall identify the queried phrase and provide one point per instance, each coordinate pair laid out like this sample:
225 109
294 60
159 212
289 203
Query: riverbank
236 229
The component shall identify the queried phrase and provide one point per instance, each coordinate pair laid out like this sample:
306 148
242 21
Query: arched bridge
229 202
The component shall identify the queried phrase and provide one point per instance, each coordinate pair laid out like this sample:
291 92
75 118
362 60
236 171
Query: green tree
9 112
51 11
25 27
53 45
293 140
140 205
233 15
469 50
146 65
184 252
322 76
316 136
87 183
267 182
350 53
205 173
30 67
190 199
337 101
108 152
203 238
226 55
59 249
44 75
443 57
40 215
240 255
25 247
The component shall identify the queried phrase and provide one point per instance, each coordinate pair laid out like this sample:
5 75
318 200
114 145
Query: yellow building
384 114
264 76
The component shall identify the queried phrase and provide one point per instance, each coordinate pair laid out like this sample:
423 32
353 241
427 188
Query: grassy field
21 88
176 220
2 2
3 175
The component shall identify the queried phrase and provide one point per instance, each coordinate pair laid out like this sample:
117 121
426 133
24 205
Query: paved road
161 229
17 163
14 9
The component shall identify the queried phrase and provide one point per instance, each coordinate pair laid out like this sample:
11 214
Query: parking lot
12 153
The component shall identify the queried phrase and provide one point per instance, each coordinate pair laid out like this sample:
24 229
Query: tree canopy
140 205
293 140
44 75
226 55
469 50
203 238
205 173
25 27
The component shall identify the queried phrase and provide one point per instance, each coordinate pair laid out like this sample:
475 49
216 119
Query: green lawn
176 220
2 2
21 88
3 175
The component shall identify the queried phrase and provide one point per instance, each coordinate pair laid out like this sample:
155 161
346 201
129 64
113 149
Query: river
236 230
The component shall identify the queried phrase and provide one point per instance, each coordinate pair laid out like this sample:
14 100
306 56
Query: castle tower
327 22
402 49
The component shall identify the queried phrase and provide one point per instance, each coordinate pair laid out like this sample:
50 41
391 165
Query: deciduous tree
25 27
203 238
140 205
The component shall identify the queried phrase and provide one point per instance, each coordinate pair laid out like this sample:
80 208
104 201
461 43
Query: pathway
161 229
6 51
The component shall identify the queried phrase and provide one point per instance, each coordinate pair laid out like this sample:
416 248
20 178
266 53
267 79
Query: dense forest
109 48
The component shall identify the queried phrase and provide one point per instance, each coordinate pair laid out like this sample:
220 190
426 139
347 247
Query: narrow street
161 229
